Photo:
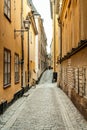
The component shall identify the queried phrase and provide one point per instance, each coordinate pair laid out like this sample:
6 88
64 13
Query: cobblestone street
44 107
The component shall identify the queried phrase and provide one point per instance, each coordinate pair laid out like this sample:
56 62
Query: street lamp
26 27
27 24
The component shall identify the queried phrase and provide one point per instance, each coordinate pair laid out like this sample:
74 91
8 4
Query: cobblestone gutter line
13 118
12 113
65 116
71 116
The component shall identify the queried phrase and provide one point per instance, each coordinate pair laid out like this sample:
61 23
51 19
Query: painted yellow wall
70 26
55 47
8 41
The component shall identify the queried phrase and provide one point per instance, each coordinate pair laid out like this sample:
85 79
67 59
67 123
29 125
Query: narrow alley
43 107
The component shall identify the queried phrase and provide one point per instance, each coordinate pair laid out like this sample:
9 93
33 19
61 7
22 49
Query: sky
43 8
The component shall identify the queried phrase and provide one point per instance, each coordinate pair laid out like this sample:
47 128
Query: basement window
7 9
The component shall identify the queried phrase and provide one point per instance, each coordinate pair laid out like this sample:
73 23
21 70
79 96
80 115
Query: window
16 68
7 67
7 8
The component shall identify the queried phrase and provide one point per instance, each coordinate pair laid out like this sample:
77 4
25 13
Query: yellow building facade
16 51
73 50
10 51
19 50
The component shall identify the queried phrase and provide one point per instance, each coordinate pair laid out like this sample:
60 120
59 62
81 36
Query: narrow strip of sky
43 7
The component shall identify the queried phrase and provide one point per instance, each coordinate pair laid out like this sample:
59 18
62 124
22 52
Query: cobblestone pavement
45 107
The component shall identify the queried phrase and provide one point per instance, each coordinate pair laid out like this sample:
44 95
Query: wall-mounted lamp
27 24
26 27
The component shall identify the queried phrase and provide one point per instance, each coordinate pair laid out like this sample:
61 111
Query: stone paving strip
10 115
45 107
71 116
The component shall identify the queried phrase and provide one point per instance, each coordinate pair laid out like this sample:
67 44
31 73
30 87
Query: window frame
5 85
8 9
15 72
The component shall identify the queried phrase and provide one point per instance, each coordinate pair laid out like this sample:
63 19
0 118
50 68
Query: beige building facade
42 47
40 51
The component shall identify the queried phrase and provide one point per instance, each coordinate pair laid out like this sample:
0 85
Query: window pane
8 57
8 68
8 13
6 1
9 3
5 10
5 67
5 56
16 76
5 79
17 59
17 68
8 78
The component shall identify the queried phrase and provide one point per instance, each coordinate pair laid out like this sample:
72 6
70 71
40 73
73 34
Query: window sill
6 86
17 82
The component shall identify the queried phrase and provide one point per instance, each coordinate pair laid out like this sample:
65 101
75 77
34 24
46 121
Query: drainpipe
54 31
60 25
54 73
60 42
28 58
60 50
22 47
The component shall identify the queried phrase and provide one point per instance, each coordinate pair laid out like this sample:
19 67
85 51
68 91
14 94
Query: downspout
28 58
60 51
54 31
22 45
54 73
60 42
60 25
